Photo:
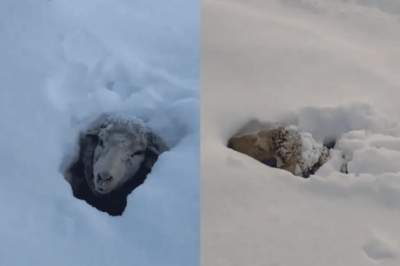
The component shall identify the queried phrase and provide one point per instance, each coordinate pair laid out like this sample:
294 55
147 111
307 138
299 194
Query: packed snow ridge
313 154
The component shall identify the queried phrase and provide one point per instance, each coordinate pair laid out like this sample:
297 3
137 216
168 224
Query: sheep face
117 157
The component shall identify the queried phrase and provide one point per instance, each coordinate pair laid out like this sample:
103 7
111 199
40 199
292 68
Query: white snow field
62 61
333 68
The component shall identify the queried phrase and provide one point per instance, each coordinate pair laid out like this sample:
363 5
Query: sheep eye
136 153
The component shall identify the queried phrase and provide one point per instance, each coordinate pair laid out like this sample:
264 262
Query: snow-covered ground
333 68
65 60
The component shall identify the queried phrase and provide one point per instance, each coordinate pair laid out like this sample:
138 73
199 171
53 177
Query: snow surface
64 61
330 67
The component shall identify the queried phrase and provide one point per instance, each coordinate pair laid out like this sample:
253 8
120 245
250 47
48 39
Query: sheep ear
152 152
151 157
155 147
93 131
96 126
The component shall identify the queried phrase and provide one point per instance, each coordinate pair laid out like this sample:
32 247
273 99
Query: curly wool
282 147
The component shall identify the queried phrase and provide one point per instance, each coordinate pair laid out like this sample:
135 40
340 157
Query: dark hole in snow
271 162
230 145
329 143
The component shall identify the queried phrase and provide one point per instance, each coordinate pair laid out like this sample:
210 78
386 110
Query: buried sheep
115 155
280 147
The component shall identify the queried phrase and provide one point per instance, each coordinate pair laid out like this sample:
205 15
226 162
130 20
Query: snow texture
63 63
330 69
311 154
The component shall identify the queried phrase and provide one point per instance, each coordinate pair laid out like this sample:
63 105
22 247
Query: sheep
278 147
270 147
115 155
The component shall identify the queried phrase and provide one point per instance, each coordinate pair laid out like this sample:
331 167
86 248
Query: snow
330 68
311 151
66 61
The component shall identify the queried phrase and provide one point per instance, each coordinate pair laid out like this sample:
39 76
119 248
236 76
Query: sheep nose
104 176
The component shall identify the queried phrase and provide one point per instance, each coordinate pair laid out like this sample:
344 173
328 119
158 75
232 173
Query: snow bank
65 61
330 68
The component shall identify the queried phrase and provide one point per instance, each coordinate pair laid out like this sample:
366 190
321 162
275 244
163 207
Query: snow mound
312 155
368 153
363 139
329 68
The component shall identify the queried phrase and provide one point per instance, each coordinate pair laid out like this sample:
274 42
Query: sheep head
123 146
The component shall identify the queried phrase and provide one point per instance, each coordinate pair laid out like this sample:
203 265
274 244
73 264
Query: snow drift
63 62
331 68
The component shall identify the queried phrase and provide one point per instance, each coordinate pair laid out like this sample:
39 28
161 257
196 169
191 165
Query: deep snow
64 61
330 67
